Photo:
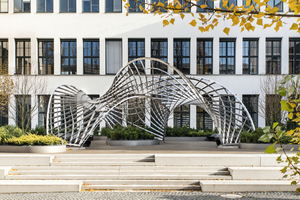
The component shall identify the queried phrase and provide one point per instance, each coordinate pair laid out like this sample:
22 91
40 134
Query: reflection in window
46 57
294 56
42 109
250 56
136 49
90 6
227 56
113 6
204 56
135 5
209 3
251 103
91 56
4 54
44 6
113 55
68 57
276 3
182 116
159 49
4 6
273 56
22 6
67 6
23 57
182 55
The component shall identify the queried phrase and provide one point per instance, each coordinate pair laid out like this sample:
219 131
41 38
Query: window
46 56
22 6
43 101
229 4
91 56
185 5
251 3
251 103
135 5
227 109
276 3
3 111
113 5
113 55
182 55
204 121
135 112
23 111
227 56
90 6
44 6
250 56
204 56
294 56
159 49
67 5
273 56
209 3
68 56
4 6
4 53
155 2
23 57
182 116
136 49
272 109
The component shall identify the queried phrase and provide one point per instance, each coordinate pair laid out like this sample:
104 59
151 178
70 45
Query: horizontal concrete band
256 173
33 149
264 146
186 139
132 142
27 159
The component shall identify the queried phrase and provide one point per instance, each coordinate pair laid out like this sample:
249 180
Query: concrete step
141 187
14 186
256 173
104 160
100 163
246 186
98 156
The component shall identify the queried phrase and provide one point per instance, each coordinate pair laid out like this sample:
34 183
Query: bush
126 133
188 132
11 130
32 139
39 131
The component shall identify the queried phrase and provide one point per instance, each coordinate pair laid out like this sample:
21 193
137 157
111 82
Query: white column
285 55
193 116
102 56
33 6
34 114
102 6
148 53
262 55
216 66
193 55
79 56
12 111
11 6
79 6
239 56
57 56
34 55
55 6
125 50
11 56
170 53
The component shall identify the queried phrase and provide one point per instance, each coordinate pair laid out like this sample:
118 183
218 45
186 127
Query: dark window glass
67 5
23 111
182 116
209 3
68 56
3 114
4 54
294 56
113 56
204 121
182 55
273 109
250 56
113 6
23 57
227 110
135 5
22 5
46 57
91 56
43 101
4 6
229 4
136 49
159 49
251 103
273 56
135 112
44 5
204 56
276 3
156 8
227 56
185 5
90 6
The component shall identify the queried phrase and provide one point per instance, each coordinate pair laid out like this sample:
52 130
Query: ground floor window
23 111
182 116
204 121
43 101
251 103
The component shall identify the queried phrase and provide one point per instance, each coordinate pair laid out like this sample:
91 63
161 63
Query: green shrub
33 139
39 131
126 133
11 130
188 132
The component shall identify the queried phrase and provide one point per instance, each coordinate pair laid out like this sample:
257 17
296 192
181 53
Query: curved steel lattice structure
145 93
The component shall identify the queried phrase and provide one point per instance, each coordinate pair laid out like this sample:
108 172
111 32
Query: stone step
141 187
98 156
246 186
141 182
104 160
14 186
100 163
117 177
256 173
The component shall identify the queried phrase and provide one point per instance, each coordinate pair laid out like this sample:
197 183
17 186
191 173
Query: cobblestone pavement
121 195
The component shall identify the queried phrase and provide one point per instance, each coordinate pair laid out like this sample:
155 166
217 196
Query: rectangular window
227 56
227 109
157 8
204 121
44 6
3 111
4 6
46 56
68 57
273 56
91 56
90 6
67 6
182 55
159 49
250 56
22 6
113 6
276 3
43 101
4 54
135 112
185 5
209 3
23 56
113 55
204 56
229 4
272 109
294 56
135 5
251 103
136 49
23 111
182 116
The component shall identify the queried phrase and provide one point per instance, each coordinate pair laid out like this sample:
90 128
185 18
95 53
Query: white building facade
85 42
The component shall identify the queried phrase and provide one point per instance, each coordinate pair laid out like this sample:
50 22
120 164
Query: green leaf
293 182
266 129
298 190
279 159
283 170
271 149
286 106
275 124
280 134
285 176
265 138
291 90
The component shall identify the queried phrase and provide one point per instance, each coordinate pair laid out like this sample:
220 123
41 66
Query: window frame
68 7
106 60
22 9
136 8
45 7
91 7
249 56
7 2
273 5
68 57
92 41
227 40
293 56
2 57
272 56
23 57
43 113
159 56
181 112
45 57
205 116
113 3
248 102
181 40
204 57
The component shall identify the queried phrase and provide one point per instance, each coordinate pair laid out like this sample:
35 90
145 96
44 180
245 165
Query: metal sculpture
144 94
